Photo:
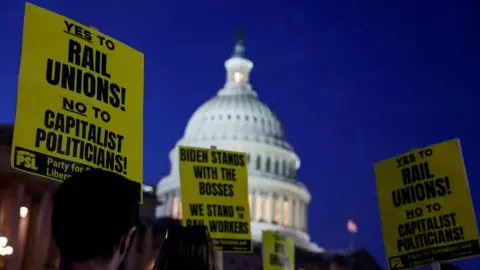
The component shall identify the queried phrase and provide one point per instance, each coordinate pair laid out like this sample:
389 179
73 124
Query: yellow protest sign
278 251
425 205
80 100
214 186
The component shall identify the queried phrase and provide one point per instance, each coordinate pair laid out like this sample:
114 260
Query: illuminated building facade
25 210
235 119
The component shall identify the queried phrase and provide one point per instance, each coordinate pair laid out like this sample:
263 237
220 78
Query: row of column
30 234
264 206
31 239
274 208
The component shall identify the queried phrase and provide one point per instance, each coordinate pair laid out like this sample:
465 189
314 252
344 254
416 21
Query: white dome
236 120
237 117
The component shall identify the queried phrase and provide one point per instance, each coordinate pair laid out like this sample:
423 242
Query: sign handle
219 260
352 241
436 266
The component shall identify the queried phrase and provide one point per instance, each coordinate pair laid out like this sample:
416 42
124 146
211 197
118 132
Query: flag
351 226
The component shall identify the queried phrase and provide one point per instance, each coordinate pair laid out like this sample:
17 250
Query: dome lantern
238 70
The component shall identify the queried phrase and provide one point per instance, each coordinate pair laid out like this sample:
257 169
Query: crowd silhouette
94 218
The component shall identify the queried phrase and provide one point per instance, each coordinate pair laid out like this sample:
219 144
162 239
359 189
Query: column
254 205
302 215
305 222
168 199
38 230
290 212
267 214
250 202
12 214
281 199
297 214
177 196
272 207
180 208
23 230
53 255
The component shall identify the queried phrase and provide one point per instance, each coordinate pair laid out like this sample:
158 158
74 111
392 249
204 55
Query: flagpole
352 241
352 229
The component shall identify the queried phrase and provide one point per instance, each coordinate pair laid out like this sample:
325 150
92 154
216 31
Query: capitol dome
235 119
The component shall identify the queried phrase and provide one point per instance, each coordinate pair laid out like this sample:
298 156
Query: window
276 211
175 208
259 163
248 158
277 166
284 168
238 77
259 207
292 170
285 213
267 165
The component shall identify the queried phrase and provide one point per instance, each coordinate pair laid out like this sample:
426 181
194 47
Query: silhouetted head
187 248
94 218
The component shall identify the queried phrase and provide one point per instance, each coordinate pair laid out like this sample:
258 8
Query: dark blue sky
354 82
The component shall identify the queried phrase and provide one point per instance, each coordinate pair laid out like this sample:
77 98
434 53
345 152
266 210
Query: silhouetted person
187 248
94 218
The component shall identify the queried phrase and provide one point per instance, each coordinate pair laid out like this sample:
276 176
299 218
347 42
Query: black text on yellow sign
425 205
80 100
278 251
214 186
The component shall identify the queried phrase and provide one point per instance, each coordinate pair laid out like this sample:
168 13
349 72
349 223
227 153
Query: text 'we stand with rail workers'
216 181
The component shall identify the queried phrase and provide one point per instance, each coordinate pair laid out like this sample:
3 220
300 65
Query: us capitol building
235 119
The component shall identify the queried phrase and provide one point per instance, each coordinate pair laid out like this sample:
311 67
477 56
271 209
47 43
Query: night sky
353 82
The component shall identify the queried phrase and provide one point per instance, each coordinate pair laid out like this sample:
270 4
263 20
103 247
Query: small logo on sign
26 159
240 211
396 263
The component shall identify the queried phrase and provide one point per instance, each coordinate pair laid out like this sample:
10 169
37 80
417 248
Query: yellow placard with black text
214 187
80 101
278 251
425 206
